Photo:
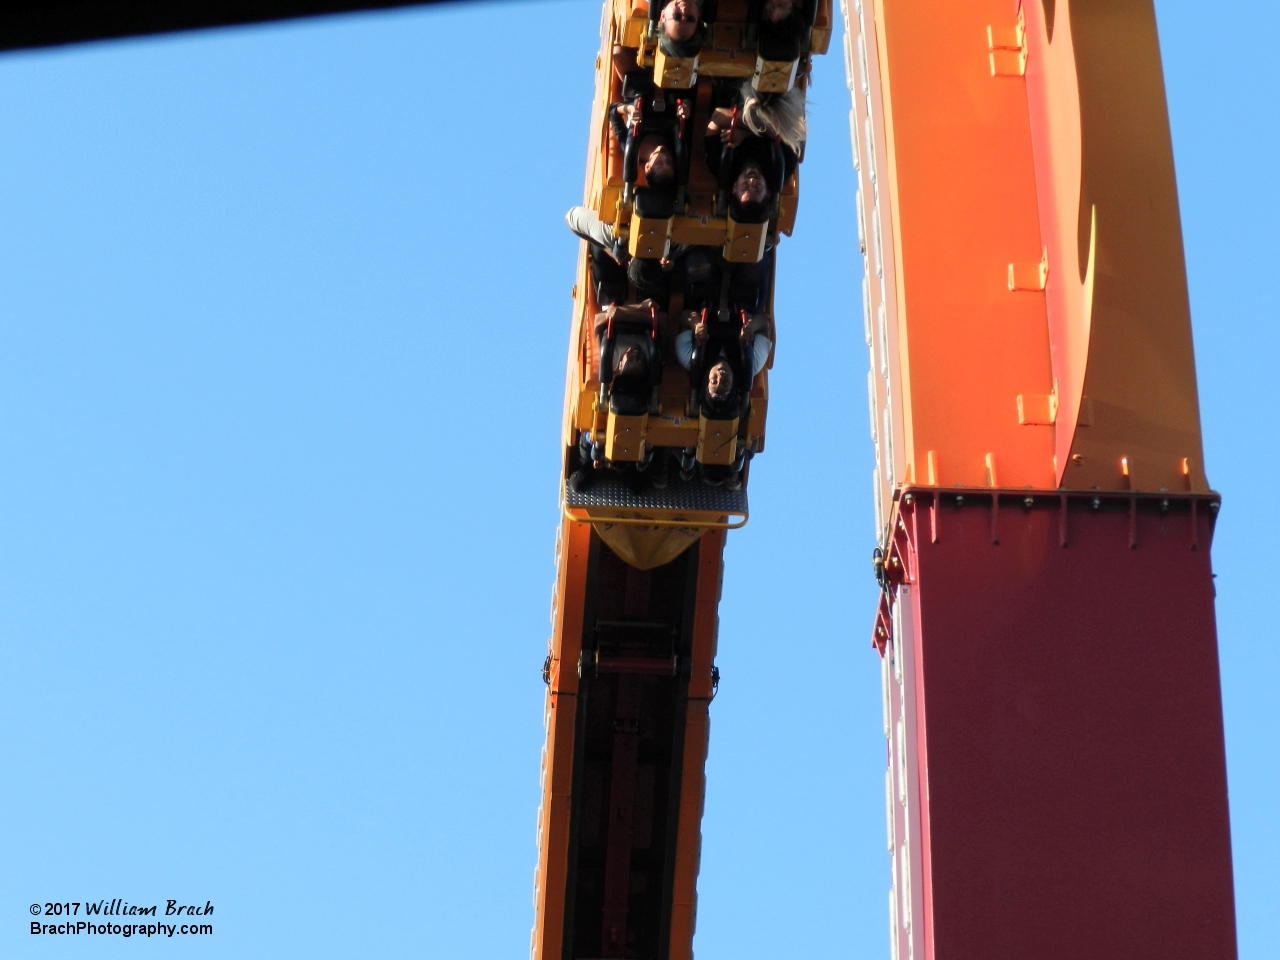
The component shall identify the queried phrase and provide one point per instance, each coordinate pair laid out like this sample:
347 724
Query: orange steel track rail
619 831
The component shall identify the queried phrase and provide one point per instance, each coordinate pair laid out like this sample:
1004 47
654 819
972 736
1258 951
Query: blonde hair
777 116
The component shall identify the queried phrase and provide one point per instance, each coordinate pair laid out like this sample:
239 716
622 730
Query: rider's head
720 381
749 195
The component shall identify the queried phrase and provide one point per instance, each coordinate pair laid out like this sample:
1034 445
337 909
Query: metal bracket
1007 48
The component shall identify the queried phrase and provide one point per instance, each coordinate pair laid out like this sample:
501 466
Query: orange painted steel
572 558
684 901
1005 359
962 191
1057 778
579 594
1119 316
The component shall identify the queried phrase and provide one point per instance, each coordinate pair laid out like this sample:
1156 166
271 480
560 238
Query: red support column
1062 730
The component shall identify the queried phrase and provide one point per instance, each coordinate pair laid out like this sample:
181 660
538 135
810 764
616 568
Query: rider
680 29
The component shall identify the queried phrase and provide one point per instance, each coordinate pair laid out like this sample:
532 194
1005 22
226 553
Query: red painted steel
1066 777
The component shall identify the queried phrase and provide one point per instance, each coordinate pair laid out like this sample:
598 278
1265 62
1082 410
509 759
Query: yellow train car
630 448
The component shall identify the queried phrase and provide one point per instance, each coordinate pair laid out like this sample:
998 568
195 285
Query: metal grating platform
679 496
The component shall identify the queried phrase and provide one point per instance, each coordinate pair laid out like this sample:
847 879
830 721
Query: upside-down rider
657 160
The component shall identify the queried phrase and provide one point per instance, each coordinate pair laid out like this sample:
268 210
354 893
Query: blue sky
283 313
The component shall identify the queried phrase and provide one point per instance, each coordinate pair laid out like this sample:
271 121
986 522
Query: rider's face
719 381
680 19
750 186
630 361
660 163
775 10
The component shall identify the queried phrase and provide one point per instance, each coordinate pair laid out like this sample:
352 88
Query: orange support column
1057 780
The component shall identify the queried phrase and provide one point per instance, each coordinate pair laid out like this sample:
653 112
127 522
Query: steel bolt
1029 502
959 499
1097 502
